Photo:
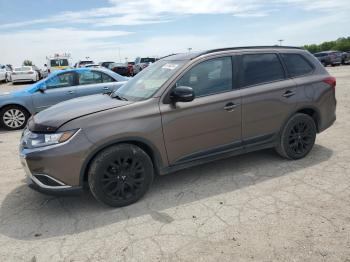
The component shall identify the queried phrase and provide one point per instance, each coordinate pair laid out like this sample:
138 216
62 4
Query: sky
114 30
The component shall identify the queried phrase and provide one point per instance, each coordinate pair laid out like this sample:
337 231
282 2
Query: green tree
312 48
341 44
27 63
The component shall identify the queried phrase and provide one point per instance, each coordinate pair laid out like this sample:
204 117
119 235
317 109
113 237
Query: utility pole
281 40
120 60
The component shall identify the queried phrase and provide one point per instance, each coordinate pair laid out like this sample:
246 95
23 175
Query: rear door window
107 78
261 68
90 77
297 65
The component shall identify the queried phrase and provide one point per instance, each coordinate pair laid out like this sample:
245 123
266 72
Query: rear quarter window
297 65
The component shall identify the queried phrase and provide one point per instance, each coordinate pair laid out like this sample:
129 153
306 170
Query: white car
25 74
2 74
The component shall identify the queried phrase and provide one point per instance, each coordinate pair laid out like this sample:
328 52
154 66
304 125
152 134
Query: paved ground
254 207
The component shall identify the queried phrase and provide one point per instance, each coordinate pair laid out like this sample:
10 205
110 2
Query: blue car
16 107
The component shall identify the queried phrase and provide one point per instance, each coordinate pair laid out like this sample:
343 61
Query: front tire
297 137
13 117
120 175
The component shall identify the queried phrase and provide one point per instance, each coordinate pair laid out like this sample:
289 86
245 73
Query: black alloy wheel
120 175
298 137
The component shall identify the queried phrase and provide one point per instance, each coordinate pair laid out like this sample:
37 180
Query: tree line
341 44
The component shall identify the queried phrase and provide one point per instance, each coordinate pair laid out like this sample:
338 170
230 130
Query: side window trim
240 67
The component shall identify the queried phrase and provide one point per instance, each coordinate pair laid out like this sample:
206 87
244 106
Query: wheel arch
309 110
144 144
313 113
17 105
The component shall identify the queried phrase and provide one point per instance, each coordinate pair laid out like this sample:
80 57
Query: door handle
288 93
106 88
230 106
71 92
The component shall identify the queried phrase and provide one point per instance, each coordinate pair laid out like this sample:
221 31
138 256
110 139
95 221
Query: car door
212 121
266 97
91 82
55 89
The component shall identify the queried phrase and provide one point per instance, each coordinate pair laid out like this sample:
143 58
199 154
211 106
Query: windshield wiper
114 95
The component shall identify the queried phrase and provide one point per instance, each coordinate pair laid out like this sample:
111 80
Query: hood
52 118
20 92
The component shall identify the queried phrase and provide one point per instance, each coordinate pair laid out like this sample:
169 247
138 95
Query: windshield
320 54
149 80
148 60
86 62
23 68
116 65
59 62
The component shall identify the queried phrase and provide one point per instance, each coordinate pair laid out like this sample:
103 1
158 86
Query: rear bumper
23 79
328 108
326 125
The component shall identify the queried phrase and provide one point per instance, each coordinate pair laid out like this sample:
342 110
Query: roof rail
247 47
167 56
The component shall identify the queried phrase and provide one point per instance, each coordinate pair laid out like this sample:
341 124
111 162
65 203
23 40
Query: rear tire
297 137
13 117
120 175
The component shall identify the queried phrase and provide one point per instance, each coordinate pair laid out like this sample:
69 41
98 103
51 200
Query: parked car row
333 58
21 74
125 69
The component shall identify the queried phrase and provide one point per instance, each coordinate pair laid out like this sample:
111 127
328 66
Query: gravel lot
254 207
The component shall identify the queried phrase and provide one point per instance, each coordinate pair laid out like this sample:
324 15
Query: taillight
330 81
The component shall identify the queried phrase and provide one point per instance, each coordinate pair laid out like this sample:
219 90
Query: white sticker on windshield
170 66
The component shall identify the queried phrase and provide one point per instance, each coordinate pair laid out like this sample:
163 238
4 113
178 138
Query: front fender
24 101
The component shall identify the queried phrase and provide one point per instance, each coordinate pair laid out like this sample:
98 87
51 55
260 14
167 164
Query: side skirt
234 149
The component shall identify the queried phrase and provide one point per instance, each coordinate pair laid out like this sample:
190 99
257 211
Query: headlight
34 140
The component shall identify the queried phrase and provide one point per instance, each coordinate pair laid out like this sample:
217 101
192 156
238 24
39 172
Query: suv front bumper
52 185
56 169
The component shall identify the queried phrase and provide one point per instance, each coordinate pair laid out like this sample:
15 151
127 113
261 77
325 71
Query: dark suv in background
332 58
182 111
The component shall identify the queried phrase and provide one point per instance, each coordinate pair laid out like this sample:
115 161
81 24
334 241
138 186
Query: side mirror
42 88
182 94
